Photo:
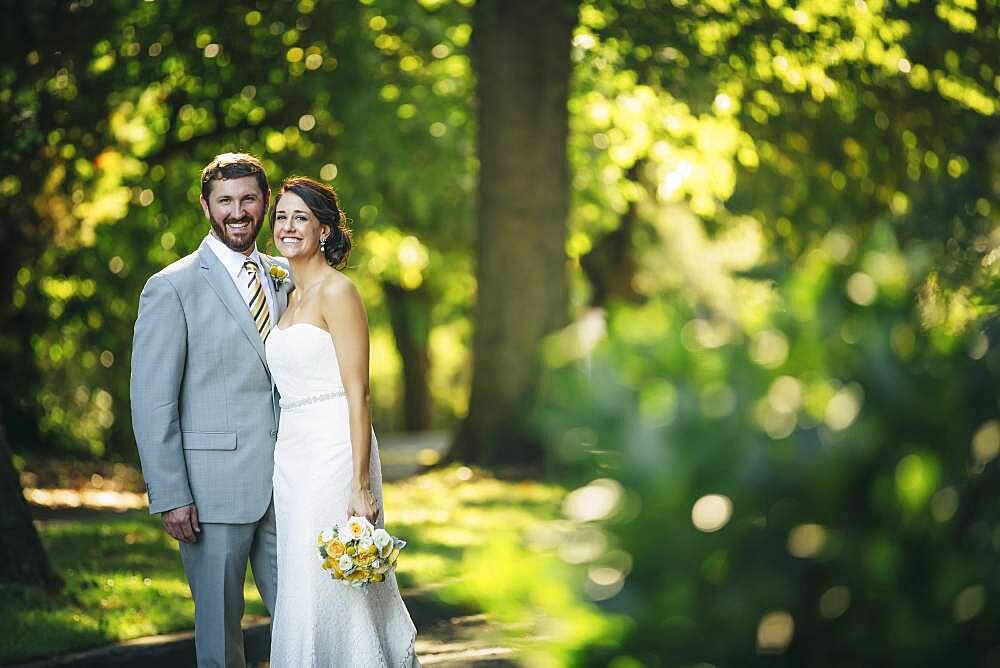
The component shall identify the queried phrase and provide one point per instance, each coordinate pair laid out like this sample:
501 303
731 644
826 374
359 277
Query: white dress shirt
233 262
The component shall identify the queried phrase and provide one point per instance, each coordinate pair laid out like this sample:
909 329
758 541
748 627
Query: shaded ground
444 638
123 574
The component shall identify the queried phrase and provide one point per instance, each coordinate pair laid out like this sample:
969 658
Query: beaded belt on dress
316 398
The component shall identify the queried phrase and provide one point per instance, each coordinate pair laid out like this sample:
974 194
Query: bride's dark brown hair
322 200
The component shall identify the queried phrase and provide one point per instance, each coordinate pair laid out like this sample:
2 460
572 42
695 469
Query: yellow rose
378 577
278 272
329 563
335 548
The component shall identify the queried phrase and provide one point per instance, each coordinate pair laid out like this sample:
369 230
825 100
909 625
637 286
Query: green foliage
830 503
803 116
782 454
115 119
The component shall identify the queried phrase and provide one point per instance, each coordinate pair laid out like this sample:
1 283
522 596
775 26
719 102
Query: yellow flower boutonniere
279 275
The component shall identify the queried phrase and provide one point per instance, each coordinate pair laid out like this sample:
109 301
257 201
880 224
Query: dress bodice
303 362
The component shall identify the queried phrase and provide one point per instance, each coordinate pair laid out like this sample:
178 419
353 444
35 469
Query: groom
204 408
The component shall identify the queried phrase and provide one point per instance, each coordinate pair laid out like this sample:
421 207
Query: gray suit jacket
204 409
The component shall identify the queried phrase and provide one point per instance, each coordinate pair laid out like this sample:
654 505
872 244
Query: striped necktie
258 301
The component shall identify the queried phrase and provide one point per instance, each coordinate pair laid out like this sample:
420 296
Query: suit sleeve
159 350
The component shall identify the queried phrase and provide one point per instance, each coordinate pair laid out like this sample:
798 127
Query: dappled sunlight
459 507
86 498
706 269
125 580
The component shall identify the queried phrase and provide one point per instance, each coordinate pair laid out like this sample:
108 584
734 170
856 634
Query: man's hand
182 523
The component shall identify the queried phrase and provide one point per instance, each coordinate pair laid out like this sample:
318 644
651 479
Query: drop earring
322 244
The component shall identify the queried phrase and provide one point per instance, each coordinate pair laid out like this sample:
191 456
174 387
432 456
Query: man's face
236 208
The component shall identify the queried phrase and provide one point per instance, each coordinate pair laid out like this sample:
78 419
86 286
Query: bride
326 463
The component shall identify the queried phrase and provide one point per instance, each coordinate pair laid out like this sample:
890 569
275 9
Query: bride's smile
297 231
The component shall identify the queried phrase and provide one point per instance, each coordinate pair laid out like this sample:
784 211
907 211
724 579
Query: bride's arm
347 323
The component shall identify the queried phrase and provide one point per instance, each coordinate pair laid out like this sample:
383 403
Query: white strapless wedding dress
319 622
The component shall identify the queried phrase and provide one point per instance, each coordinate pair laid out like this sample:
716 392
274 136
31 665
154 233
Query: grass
124 577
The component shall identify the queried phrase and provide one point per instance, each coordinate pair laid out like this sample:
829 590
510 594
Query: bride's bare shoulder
339 292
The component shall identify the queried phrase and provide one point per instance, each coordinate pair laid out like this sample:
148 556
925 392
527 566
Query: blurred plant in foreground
799 474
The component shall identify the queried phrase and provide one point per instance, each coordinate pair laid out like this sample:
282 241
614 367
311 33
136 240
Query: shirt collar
232 260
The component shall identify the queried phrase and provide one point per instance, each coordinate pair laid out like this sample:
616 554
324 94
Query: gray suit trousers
216 570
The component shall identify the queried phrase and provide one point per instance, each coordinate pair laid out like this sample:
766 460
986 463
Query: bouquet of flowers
357 553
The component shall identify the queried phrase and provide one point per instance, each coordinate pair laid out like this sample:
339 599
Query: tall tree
521 55
22 558
409 314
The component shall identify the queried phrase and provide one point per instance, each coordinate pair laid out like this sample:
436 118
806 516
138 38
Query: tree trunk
409 313
611 266
22 557
521 53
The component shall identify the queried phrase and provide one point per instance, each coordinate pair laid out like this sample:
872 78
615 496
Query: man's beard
236 241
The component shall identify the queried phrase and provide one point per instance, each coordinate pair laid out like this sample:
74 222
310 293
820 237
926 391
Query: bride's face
297 232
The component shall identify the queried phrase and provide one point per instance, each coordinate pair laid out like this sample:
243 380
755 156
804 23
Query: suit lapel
280 303
280 294
221 282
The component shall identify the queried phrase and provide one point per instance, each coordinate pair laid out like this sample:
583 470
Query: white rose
346 563
365 543
326 535
359 527
382 540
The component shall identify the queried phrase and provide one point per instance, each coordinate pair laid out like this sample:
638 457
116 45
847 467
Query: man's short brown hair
232 166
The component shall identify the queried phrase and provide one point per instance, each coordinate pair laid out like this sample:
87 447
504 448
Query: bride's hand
363 504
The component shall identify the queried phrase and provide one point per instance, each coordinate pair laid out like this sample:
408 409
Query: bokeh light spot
986 441
834 602
861 289
328 172
843 407
711 512
806 540
969 603
774 632
595 501
944 503
769 348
